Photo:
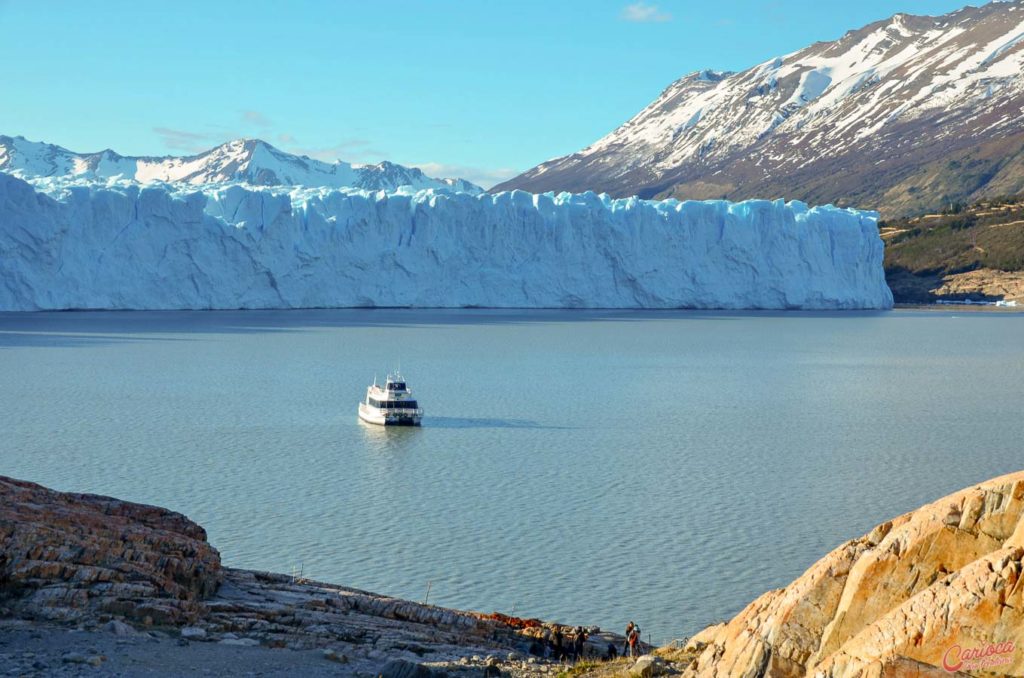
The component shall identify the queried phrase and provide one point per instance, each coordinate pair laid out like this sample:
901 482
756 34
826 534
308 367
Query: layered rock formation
95 561
933 592
982 285
65 555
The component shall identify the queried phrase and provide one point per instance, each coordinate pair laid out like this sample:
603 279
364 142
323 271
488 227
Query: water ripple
663 467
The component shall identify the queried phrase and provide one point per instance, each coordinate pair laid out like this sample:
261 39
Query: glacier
122 245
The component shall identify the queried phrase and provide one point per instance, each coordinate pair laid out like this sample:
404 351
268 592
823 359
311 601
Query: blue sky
479 89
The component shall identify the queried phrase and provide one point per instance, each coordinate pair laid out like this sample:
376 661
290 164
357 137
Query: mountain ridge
899 115
247 160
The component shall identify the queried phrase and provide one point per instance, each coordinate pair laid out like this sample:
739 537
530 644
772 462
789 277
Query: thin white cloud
356 151
193 142
256 118
642 12
485 177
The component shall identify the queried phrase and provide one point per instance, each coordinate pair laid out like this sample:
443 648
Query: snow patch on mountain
956 75
1013 42
250 161
812 85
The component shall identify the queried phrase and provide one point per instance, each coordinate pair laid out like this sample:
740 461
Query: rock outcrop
95 561
933 592
64 555
937 591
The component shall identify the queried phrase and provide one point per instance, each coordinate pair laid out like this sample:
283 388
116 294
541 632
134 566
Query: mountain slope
899 115
965 252
243 160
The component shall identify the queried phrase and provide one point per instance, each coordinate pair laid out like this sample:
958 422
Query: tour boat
391 404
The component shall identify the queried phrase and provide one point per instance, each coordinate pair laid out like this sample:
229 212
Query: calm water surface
590 467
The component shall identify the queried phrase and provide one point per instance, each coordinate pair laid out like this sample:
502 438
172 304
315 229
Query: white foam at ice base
971 302
119 245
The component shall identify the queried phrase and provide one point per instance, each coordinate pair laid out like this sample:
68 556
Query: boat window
397 386
399 405
392 404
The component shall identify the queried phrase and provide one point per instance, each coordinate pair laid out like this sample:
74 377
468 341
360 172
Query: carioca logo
993 654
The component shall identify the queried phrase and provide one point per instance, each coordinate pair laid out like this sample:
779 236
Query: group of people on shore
561 646
571 646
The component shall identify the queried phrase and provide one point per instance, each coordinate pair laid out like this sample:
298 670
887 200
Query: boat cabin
390 404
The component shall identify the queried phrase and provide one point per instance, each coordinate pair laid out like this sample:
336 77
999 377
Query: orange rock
937 584
62 554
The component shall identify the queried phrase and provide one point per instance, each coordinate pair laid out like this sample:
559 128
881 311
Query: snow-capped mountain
901 115
250 161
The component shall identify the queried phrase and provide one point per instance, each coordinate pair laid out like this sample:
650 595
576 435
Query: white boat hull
372 415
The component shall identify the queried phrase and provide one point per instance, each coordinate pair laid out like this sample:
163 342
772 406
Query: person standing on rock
557 647
625 644
634 642
578 643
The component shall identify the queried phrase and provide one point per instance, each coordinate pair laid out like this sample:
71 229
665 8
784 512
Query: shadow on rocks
401 668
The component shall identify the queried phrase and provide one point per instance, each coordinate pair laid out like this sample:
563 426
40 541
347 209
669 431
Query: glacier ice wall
159 247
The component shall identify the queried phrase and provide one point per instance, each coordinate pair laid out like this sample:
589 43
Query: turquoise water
590 467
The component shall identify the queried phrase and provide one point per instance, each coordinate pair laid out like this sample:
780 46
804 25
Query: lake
582 466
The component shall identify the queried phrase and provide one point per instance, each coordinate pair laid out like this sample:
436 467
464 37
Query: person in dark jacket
625 645
557 646
578 643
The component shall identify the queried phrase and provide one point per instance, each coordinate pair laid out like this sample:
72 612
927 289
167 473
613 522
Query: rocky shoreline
977 285
268 625
92 585
938 591
93 577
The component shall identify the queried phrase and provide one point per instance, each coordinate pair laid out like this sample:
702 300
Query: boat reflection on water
389 438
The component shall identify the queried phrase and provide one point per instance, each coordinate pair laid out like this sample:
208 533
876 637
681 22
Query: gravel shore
40 649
